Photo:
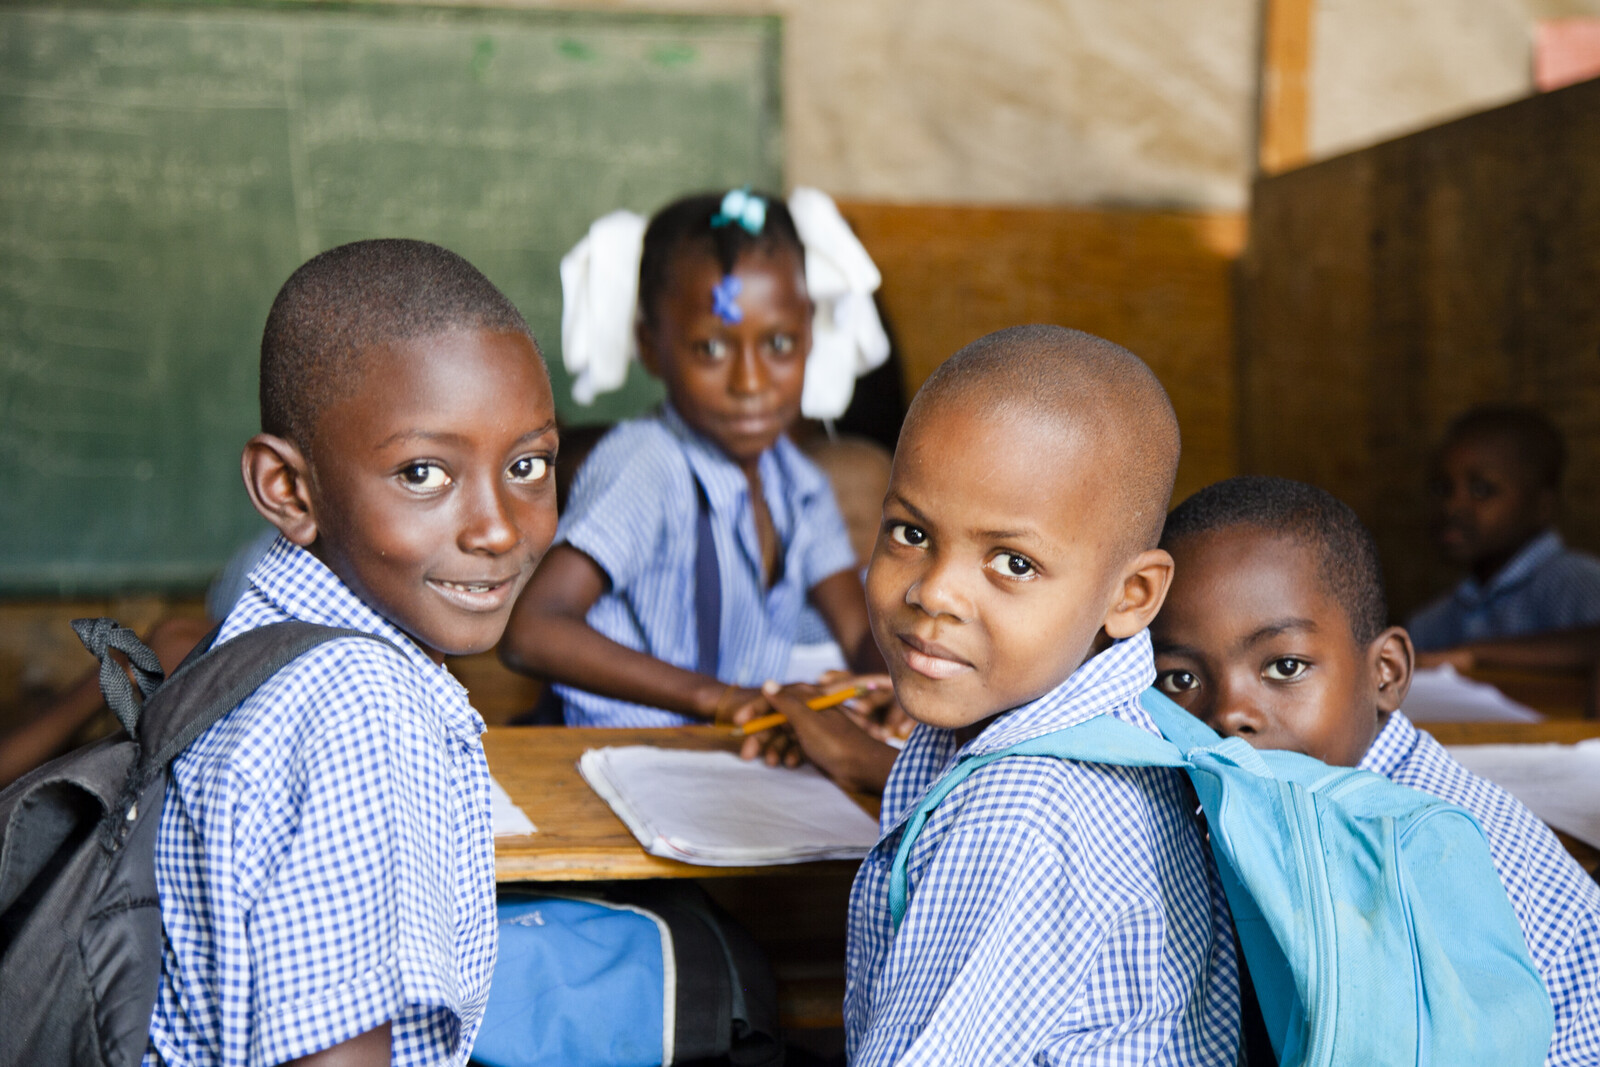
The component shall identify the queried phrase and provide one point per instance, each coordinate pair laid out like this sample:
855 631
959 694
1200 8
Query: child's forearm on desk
569 651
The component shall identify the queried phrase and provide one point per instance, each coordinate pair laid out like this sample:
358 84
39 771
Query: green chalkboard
164 168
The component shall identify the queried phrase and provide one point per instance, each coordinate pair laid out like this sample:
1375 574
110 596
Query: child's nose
748 375
1232 712
937 591
489 525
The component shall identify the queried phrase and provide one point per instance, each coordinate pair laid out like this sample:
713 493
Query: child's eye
529 469
1176 681
782 344
1011 565
1479 489
715 348
1286 669
903 533
424 476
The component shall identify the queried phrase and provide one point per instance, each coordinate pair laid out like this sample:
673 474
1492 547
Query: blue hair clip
724 300
744 208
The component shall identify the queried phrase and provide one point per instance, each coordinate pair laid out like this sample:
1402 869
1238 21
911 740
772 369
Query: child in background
692 538
1058 912
1496 484
1275 632
325 858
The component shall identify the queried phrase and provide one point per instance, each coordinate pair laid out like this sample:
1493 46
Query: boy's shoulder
347 685
1540 876
1068 805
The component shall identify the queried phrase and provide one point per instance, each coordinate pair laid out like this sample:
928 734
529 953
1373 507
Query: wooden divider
1385 291
1157 282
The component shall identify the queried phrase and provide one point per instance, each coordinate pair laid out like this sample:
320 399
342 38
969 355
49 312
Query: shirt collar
725 484
1519 569
302 587
1392 747
1109 682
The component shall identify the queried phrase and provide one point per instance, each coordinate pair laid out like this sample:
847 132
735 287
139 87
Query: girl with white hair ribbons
694 536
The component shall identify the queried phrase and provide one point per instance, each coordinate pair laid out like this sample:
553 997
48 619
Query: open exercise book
715 809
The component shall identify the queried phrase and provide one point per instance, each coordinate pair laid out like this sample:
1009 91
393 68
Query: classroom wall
1385 68
1157 282
1384 291
1132 102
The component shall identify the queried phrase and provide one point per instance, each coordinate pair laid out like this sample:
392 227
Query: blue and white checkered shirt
325 857
634 511
1545 586
1557 903
1058 912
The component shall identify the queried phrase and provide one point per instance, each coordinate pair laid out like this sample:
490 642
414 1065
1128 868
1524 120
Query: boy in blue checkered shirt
1276 632
1057 912
325 857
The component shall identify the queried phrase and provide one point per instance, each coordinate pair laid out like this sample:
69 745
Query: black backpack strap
208 686
100 637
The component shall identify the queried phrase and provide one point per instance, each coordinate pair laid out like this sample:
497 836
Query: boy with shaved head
325 859
1055 912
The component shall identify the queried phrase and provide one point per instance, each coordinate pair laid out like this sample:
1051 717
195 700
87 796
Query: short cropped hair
1537 444
1089 383
684 226
340 305
1347 556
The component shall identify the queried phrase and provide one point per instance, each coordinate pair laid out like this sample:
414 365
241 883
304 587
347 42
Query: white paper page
716 809
1561 783
1440 694
508 819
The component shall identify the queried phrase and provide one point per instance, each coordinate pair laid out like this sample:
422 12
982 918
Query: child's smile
434 490
992 573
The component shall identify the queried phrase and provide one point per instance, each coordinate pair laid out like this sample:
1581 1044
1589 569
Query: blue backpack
1370 916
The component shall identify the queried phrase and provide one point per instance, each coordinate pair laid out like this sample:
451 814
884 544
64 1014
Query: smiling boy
325 856
1058 912
1275 631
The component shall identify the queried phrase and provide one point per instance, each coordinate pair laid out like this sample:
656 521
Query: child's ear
1139 597
1393 659
278 479
644 335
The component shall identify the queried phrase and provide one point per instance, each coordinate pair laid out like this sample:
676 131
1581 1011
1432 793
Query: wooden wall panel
1385 291
1157 282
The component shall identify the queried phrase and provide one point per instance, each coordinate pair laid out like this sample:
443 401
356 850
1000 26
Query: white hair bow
600 297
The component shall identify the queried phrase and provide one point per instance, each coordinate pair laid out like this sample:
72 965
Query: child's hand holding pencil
817 703
822 727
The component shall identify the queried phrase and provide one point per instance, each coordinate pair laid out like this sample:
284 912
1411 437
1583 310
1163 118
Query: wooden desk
796 912
1553 694
579 838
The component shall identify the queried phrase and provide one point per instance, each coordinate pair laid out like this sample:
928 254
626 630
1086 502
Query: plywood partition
1385 291
1157 282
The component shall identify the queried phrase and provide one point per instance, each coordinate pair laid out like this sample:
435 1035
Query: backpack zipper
1307 841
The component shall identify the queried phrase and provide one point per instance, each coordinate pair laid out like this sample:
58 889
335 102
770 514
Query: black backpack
80 922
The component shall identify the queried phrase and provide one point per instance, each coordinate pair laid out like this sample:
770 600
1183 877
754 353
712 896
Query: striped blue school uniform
634 510
325 857
1557 903
1058 912
1545 586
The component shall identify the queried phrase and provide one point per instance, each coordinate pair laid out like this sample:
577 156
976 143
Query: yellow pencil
778 718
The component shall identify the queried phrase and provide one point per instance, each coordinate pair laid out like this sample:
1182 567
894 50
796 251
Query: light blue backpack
1374 926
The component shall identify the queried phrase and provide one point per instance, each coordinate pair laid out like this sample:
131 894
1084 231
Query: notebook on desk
717 810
